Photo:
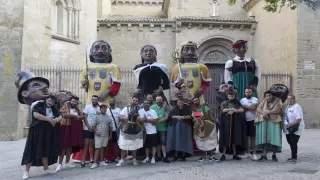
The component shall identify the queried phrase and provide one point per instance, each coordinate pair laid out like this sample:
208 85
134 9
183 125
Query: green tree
276 5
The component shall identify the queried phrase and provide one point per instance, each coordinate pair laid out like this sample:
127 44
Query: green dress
242 80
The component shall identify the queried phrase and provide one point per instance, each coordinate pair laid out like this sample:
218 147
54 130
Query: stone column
76 24
69 9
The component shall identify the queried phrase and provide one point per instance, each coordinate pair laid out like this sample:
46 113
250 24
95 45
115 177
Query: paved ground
305 169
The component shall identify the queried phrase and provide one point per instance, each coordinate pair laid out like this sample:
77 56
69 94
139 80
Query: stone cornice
190 19
179 22
248 5
137 2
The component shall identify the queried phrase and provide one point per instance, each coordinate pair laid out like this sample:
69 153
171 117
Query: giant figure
190 79
243 71
100 77
152 76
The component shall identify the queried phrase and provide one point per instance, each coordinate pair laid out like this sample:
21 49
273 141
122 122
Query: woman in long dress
43 145
268 125
179 137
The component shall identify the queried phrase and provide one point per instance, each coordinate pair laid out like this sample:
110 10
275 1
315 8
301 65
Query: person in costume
100 78
71 131
243 71
204 129
232 127
268 125
131 132
43 145
194 78
179 137
152 76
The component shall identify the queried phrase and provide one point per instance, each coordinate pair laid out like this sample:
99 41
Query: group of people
151 121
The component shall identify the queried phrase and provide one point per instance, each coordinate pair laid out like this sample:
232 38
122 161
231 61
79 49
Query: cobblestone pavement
305 169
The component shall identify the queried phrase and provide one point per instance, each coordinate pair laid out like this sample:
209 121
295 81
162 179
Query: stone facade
57 32
11 32
29 38
308 64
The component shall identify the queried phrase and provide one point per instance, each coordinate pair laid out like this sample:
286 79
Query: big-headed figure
151 75
195 77
100 77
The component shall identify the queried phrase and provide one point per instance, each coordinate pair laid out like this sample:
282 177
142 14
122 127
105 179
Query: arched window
59 17
214 7
65 19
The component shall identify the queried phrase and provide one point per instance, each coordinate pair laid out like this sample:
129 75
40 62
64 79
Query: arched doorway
214 52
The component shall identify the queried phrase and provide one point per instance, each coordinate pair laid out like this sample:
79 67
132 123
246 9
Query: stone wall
28 41
308 79
137 9
42 48
11 25
126 44
180 8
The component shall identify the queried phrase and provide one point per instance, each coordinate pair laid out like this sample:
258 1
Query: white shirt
293 113
250 115
150 115
92 113
116 113
73 111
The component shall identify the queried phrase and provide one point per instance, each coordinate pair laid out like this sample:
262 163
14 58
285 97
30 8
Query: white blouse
293 113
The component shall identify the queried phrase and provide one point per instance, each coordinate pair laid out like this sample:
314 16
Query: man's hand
102 97
136 92
85 83
198 93
179 83
157 92
288 125
91 129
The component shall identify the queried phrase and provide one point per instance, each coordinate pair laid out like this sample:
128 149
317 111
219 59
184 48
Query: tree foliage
277 5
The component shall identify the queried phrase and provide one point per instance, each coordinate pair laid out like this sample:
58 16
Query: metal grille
65 78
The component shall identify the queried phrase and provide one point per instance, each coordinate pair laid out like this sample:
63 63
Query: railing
65 78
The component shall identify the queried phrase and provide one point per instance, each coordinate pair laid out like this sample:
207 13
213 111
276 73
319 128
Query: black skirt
43 140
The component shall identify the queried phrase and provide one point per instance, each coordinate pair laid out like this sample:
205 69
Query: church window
65 20
214 8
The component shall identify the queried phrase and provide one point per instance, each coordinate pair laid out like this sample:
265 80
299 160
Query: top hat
22 81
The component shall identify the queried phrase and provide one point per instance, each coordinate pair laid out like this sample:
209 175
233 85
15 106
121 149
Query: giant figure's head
100 52
240 48
189 52
281 91
148 54
31 88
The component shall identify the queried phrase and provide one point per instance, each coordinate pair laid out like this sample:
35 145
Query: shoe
174 159
25 175
153 160
68 165
146 160
294 160
104 164
83 164
48 171
274 158
289 159
201 159
166 160
117 159
263 158
223 158
120 163
212 158
184 159
245 156
94 165
134 161
59 167
236 157
158 159
254 157
91 161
